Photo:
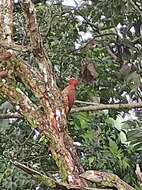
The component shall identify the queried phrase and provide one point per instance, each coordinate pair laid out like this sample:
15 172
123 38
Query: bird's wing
66 99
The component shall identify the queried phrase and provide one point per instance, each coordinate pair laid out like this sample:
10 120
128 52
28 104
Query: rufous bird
69 94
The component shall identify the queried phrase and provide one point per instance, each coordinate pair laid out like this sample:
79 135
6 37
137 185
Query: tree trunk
47 114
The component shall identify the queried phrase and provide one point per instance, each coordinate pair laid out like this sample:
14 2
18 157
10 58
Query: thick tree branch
32 79
52 94
15 47
106 179
49 181
36 42
26 108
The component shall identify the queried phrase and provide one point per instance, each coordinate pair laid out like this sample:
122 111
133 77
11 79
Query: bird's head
73 82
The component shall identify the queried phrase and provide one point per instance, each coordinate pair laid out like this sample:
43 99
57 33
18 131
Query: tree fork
51 120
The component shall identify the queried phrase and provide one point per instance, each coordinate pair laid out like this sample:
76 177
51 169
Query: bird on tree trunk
69 94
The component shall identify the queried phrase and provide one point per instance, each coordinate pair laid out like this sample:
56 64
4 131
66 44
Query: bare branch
84 102
107 106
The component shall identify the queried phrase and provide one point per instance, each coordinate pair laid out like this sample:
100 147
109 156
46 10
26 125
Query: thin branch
107 106
29 136
25 168
84 102
10 116
135 7
95 28
90 41
111 53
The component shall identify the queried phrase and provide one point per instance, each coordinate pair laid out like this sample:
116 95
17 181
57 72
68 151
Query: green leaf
91 160
113 147
123 137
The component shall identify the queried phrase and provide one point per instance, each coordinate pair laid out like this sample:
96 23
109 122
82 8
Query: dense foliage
106 140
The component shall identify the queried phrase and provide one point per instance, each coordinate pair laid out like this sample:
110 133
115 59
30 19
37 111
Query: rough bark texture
47 114
106 179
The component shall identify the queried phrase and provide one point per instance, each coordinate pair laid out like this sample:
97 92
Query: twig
95 28
111 53
29 136
84 45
